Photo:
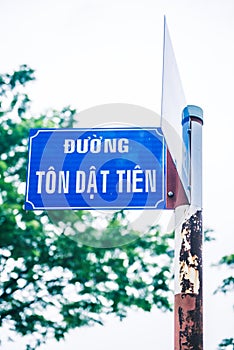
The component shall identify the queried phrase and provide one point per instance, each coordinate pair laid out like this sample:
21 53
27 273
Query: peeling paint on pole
188 303
191 255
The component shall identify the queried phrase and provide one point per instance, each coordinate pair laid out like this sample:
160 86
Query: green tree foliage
226 342
49 282
227 285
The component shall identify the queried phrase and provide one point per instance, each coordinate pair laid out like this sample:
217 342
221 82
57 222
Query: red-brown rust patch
188 322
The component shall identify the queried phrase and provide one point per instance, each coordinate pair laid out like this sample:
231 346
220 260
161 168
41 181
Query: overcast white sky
91 52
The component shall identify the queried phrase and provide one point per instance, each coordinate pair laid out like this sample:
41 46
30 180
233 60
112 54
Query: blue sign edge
28 205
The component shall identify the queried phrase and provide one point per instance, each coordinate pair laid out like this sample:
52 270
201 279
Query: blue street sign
120 168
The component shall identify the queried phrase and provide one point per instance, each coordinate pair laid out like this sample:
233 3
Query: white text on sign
96 145
128 181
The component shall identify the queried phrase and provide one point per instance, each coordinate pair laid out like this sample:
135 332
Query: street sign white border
156 129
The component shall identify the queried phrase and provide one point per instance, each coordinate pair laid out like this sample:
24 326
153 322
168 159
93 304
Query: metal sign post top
192 112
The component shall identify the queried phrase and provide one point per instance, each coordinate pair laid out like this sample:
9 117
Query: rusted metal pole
188 309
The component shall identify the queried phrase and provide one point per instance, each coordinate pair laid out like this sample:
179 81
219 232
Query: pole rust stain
188 321
188 303
191 255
